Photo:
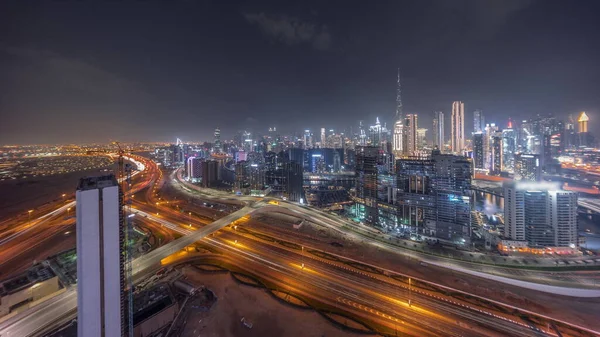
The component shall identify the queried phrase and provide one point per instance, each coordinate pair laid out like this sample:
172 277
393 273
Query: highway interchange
373 297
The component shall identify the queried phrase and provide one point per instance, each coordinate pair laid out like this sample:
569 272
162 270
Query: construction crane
124 179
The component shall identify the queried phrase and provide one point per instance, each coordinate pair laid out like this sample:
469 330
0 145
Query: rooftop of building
33 275
90 183
151 301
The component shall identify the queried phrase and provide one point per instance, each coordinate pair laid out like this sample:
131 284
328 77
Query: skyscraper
453 199
458 127
410 135
433 196
307 140
421 138
583 122
478 153
438 130
527 167
497 159
541 214
194 168
397 147
509 147
323 138
397 141
217 147
583 129
478 121
366 182
100 258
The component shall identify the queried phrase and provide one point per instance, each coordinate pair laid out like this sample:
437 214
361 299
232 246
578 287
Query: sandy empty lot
269 316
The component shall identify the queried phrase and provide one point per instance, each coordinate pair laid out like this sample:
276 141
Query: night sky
153 71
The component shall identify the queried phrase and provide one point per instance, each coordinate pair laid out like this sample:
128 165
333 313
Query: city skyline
328 72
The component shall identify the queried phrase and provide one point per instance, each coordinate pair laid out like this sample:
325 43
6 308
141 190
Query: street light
63 196
29 213
409 290
68 211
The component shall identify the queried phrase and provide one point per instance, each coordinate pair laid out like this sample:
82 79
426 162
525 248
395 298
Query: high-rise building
217 146
433 196
527 167
294 180
398 135
583 122
478 121
337 162
421 138
194 168
438 130
497 159
410 135
453 177
378 134
210 173
323 138
509 147
541 214
366 182
307 139
397 146
478 150
100 258
583 129
458 127
416 197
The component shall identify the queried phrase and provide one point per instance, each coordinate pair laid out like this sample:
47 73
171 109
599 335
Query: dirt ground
269 316
580 311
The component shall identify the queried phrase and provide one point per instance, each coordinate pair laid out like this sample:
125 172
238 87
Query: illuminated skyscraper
438 130
583 129
527 167
410 135
366 182
478 153
458 127
583 122
541 214
100 258
433 196
194 168
217 147
397 146
509 147
497 159
307 140
421 138
478 121
323 138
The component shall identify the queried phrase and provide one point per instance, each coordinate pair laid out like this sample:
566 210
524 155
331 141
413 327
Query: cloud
291 31
73 72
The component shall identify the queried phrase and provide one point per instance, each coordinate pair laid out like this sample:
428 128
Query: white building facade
100 269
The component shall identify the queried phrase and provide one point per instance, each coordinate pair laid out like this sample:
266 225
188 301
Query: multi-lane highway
370 296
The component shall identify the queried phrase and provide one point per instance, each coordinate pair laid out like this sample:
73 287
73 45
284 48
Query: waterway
491 204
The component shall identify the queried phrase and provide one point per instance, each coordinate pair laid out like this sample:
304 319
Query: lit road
366 294
589 203
357 291
535 280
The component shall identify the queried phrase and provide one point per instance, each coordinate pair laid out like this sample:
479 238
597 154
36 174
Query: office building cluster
524 150
399 178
